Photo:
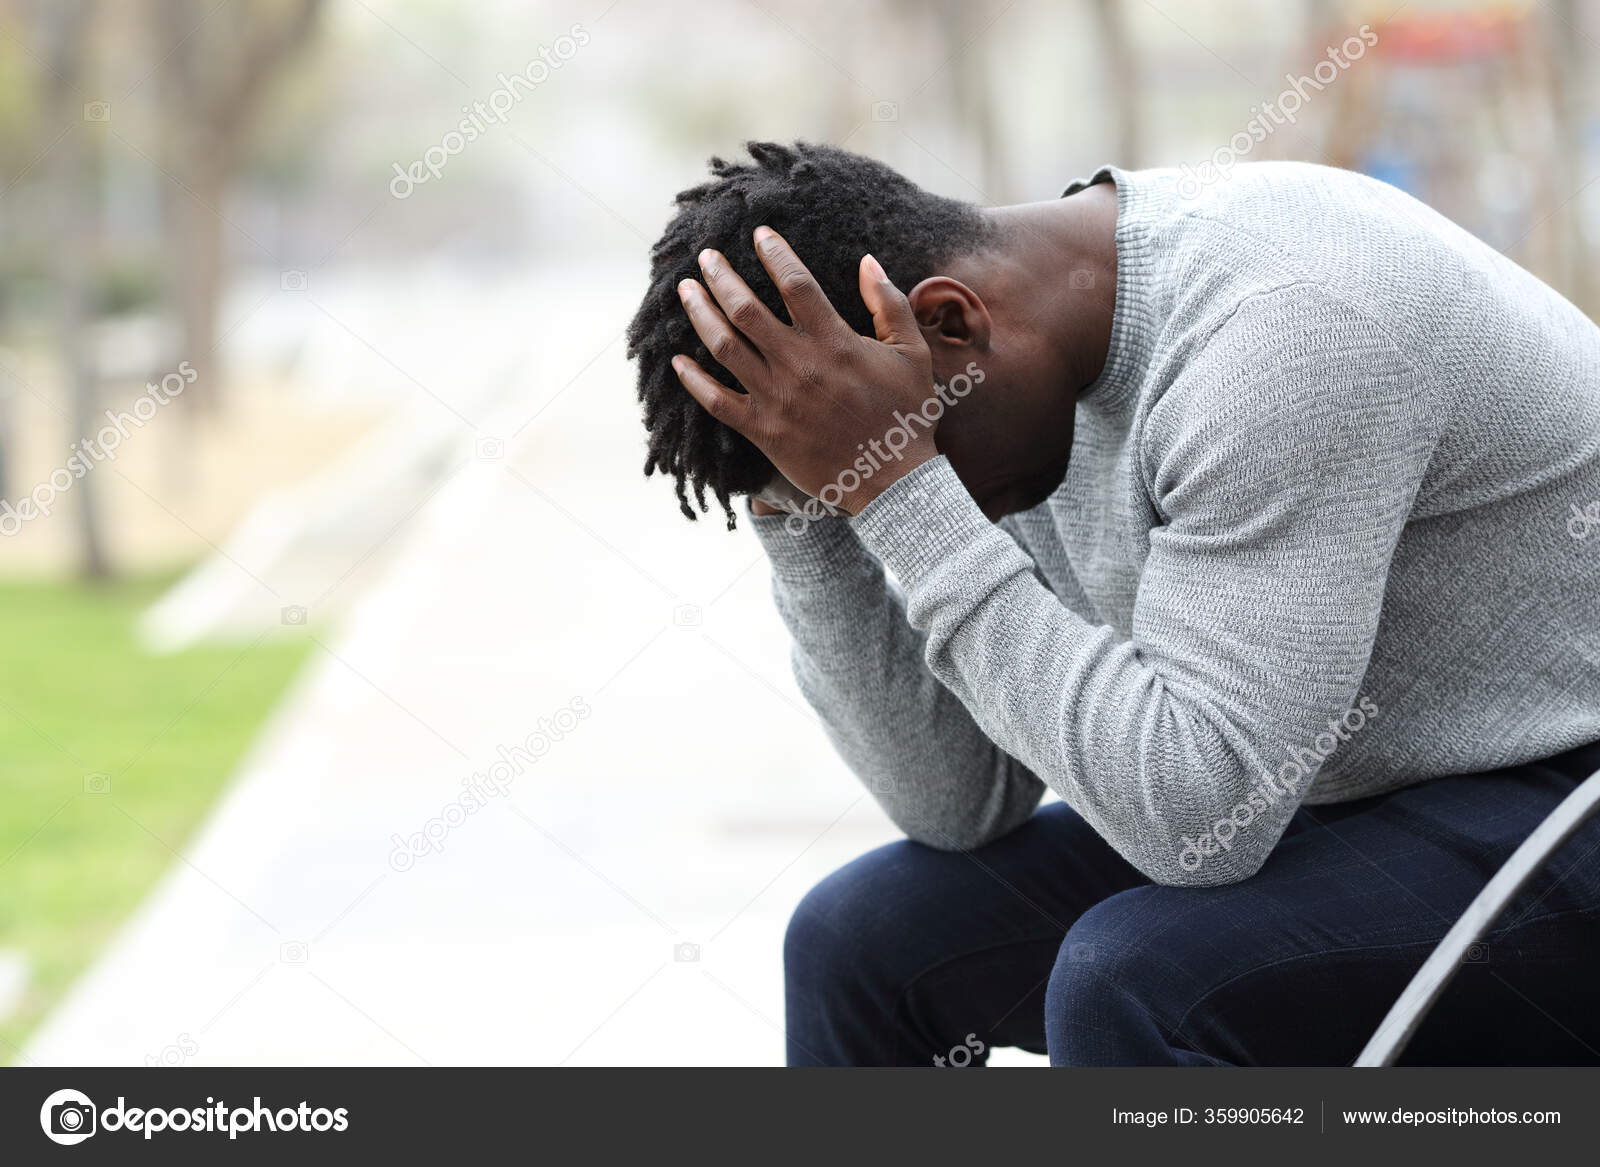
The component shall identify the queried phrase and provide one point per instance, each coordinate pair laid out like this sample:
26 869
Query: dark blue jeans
1046 939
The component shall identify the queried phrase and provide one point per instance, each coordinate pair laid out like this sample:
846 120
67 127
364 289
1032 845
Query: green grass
78 697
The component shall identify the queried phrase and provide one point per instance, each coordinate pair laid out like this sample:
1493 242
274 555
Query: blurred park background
320 468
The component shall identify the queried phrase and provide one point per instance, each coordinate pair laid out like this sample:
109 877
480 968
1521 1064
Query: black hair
832 207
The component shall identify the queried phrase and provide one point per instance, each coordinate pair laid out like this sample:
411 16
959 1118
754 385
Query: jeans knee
1084 977
811 937
1104 993
839 924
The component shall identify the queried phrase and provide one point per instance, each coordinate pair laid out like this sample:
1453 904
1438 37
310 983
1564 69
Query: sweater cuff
921 521
805 551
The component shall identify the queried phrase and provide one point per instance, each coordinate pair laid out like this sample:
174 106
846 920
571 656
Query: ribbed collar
1142 200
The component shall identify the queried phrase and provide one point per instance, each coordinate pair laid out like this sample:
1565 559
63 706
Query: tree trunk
213 81
75 230
1563 41
8 422
1123 89
74 238
197 273
972 94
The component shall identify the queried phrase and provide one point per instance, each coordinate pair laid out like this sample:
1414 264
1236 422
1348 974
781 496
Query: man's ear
950 313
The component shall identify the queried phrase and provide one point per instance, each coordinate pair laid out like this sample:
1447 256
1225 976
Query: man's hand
818 395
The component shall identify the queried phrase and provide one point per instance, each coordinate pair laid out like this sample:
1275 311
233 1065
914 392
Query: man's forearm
861 666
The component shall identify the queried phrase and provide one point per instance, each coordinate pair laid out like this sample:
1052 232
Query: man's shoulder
1278 187
1290 365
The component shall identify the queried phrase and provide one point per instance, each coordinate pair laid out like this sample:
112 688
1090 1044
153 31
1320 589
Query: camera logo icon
688 616
294 614
68 1117
294 952
885 111
97 111
490 449
1583 521
1476 954
1080 278
685 953
97 784
293 280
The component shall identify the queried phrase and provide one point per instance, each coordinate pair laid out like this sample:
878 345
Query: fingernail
677 365
763 234
707 258
875 270
685 289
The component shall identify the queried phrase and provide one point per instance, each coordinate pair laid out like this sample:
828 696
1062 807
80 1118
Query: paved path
683 817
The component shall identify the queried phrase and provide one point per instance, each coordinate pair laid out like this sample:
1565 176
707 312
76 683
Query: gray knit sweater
1331 528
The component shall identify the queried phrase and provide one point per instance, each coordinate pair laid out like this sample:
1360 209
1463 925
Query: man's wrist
813 553
887 475
914 528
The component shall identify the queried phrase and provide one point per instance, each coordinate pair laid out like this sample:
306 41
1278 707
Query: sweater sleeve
1283 459
861 665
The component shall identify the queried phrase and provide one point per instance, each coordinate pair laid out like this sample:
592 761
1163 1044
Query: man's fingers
722 341
892 317
807 303
722 403
744 311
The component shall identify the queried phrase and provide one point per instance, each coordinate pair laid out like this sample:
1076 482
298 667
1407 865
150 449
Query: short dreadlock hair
833 207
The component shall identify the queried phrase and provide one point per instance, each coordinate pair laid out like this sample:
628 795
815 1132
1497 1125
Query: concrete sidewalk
623 901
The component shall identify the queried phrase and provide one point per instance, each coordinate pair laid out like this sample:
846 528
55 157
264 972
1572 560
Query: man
1242 517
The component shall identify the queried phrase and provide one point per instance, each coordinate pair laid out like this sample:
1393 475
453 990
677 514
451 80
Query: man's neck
1055 270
